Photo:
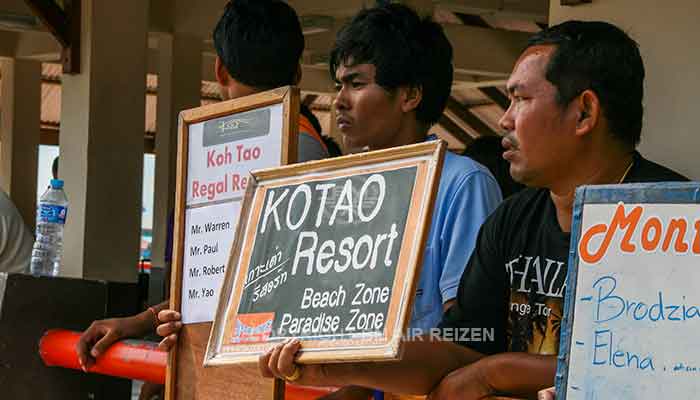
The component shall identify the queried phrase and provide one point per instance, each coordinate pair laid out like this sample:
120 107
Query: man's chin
354 144
518 175
525 178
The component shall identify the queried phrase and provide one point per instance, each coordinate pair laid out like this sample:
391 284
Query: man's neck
603 169
410 132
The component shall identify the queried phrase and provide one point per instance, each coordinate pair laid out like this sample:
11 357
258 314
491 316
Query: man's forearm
519 374
423 365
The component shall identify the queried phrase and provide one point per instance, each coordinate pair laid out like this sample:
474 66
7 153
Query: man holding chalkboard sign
390 95
386 98
258 44
575 118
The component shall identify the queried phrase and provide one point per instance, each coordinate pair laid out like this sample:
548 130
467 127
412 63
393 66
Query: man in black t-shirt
575 118
522 254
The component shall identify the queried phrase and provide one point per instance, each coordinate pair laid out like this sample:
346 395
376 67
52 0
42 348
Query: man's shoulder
456 167
520 207
7 207
310 144
525 199
645 170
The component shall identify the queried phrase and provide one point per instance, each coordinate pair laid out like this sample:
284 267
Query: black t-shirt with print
512 290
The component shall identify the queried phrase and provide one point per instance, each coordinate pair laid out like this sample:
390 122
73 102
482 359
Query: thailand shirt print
537 286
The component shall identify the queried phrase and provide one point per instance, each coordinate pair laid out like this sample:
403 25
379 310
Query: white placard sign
633 304
221 152
210 232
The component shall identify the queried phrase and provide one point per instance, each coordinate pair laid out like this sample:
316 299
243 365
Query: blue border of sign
637 193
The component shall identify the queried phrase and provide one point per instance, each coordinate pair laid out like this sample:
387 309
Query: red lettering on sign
248 153
239 182
215 159
619 221
653 230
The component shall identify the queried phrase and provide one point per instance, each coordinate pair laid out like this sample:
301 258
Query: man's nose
506 122
341 100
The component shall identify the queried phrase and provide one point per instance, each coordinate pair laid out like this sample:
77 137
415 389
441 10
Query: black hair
54 168
487 150
260 42
332 146
405 50
601 57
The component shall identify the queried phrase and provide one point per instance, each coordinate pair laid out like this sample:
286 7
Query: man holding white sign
384 103
575 118
386 99
258 44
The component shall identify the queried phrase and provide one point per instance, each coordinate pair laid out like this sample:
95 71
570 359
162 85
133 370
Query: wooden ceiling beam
455 130
53 16
459 114
574 2
496 96
533 10
64 25
485 52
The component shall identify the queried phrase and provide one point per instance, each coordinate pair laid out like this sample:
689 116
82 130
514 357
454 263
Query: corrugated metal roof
51 97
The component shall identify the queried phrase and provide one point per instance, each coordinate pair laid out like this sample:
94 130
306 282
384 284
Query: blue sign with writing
632 308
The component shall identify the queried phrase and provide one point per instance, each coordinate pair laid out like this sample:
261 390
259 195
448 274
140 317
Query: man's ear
222 75
412 97
588 112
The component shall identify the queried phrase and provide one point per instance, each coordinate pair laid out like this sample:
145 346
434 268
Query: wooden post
102 124
20 98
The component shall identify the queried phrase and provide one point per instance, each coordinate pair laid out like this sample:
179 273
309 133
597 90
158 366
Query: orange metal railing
131 359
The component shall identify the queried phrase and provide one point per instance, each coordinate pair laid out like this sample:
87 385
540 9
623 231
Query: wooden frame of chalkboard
399 186
270 118
617 242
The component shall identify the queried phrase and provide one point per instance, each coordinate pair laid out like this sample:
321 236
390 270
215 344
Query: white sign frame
635 265
219 182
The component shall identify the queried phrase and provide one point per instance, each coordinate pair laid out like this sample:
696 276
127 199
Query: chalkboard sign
218 145
632 309
328 252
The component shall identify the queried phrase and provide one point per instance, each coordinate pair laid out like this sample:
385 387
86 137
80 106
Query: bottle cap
56 184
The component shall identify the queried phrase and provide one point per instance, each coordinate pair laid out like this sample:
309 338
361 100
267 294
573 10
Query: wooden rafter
52 15
472 20
455 130
461 115
496 96
574 2
64 25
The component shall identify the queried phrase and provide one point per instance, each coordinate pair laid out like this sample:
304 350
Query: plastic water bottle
50 220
